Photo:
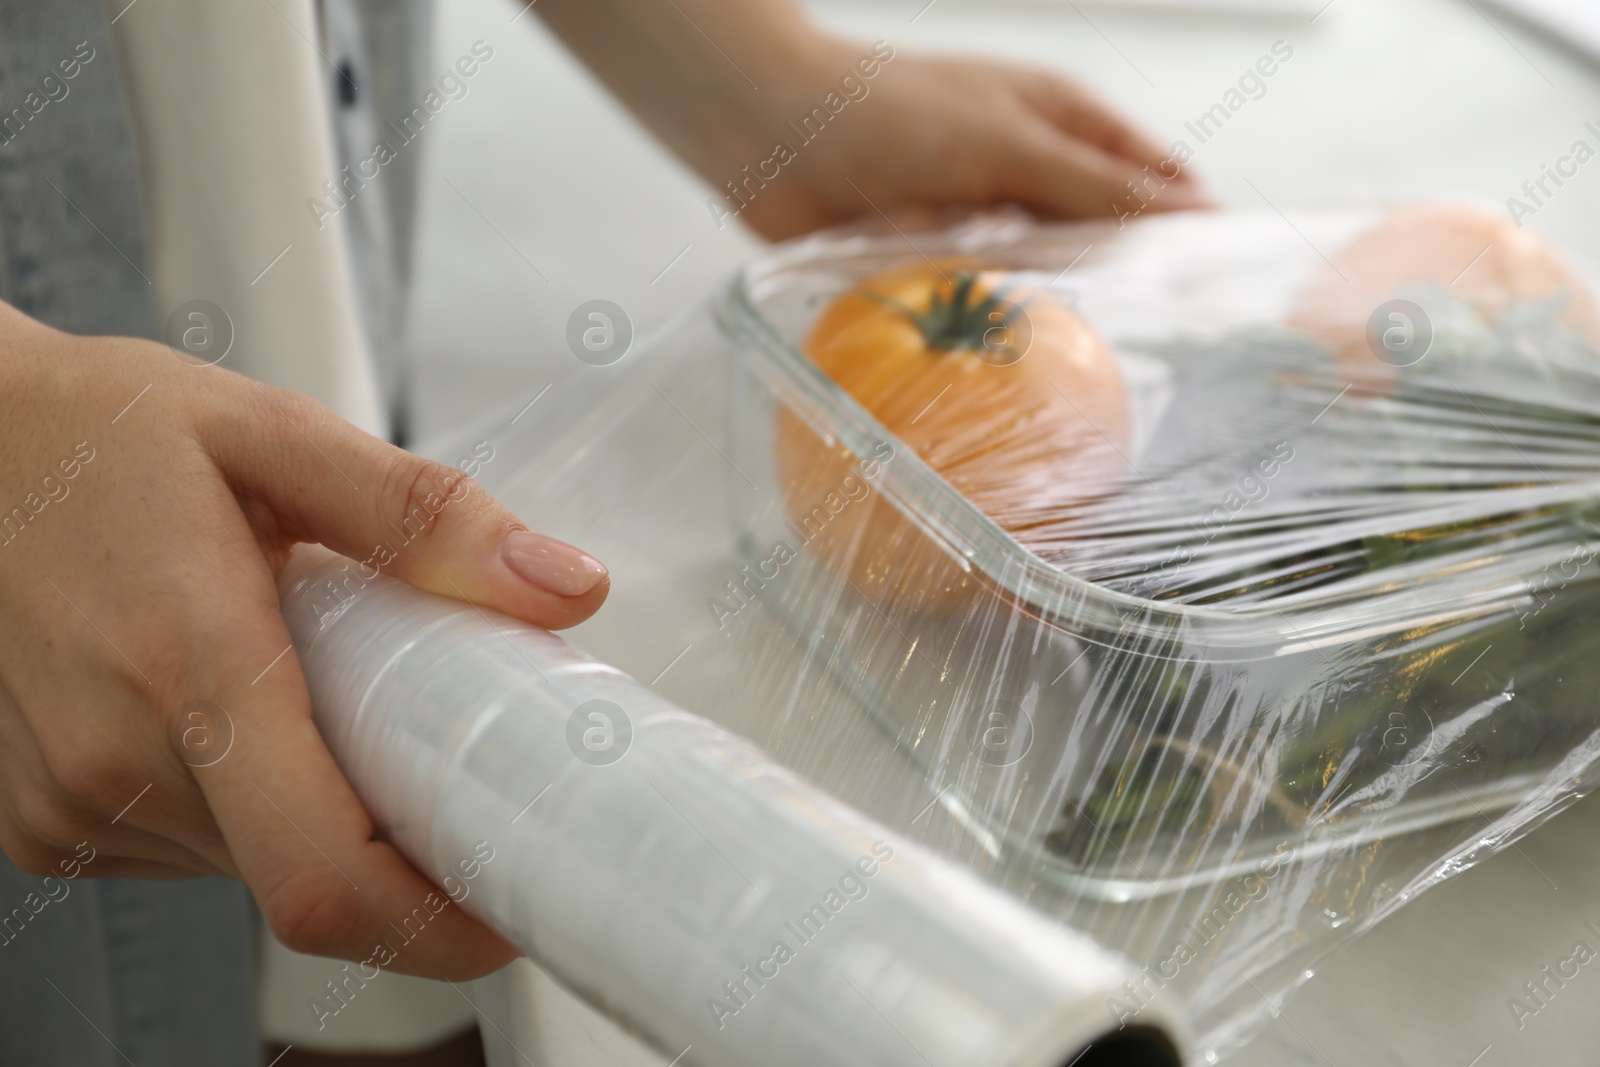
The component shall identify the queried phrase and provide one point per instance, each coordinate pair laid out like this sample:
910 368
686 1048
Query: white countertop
1383 100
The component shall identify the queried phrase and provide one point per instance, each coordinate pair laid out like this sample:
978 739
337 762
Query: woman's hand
929 133
146 507
730 84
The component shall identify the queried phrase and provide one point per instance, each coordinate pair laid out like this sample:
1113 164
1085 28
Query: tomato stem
961 321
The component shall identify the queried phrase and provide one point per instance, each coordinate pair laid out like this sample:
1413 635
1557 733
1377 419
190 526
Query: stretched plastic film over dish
1212 584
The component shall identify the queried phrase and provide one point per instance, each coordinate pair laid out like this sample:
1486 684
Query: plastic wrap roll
668 871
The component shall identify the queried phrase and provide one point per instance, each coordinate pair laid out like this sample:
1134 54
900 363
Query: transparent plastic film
1212 584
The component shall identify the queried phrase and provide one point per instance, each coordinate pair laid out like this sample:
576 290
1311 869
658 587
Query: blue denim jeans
98 971
104 972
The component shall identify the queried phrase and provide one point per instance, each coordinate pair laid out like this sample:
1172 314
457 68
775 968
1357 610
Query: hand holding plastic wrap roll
707 899
1211 587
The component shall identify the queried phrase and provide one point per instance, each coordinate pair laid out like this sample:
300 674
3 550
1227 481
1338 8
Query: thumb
322 480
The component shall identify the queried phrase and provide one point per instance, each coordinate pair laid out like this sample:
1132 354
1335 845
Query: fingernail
554 566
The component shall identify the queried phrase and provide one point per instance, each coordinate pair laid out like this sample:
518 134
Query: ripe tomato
1003 390
1479 258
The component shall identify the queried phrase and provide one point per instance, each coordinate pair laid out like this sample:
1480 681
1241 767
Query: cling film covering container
1321 636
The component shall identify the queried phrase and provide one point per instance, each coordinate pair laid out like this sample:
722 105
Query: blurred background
540 193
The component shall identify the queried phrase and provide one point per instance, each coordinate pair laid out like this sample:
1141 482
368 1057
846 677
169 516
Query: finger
304 843
97 855
168 830
1075 111
34 839
122 867
326 481
1068 178
95 799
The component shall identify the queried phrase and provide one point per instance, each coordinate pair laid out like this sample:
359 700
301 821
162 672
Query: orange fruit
1003 390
